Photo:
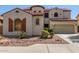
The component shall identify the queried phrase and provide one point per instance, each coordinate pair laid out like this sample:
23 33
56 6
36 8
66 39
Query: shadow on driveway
74 39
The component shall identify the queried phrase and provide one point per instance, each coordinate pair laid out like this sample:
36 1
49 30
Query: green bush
21 35
45 34
51 32
46 29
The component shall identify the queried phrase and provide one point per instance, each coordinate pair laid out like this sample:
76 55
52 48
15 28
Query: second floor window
55 14
34 11
17 11
39 11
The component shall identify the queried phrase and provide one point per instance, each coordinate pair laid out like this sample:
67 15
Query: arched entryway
20 25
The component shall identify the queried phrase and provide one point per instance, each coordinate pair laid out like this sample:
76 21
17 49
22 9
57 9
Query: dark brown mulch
31 41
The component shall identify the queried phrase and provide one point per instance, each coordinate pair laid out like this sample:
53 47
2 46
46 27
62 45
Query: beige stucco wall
61 14
37 28
13 15
51 13
67 14
37 9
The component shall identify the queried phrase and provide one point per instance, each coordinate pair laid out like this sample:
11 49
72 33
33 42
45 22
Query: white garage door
64 28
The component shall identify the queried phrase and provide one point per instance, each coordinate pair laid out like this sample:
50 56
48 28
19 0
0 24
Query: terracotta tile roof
65 9
62 9
38 14
14 9
57 8
47 10
26 9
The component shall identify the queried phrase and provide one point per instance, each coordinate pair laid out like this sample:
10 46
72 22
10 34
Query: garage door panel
64 28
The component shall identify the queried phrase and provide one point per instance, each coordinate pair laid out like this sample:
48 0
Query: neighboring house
36 18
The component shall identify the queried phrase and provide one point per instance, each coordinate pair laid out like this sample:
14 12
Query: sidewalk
42 48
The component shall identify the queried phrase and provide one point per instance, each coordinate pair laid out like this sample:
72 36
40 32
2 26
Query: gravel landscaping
30 41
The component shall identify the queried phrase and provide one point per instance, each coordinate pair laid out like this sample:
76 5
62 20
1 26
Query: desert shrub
21 35
51 32
46 29
45 34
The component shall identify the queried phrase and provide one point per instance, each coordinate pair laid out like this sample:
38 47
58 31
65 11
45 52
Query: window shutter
24 25
10 25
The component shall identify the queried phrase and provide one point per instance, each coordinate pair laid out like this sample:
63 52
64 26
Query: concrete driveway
42 48
71 38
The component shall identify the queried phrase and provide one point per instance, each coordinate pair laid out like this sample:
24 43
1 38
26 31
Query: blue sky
74 8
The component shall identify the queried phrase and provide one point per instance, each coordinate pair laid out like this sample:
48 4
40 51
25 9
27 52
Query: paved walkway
43 48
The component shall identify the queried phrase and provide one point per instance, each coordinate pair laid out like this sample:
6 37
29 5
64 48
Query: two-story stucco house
36 18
